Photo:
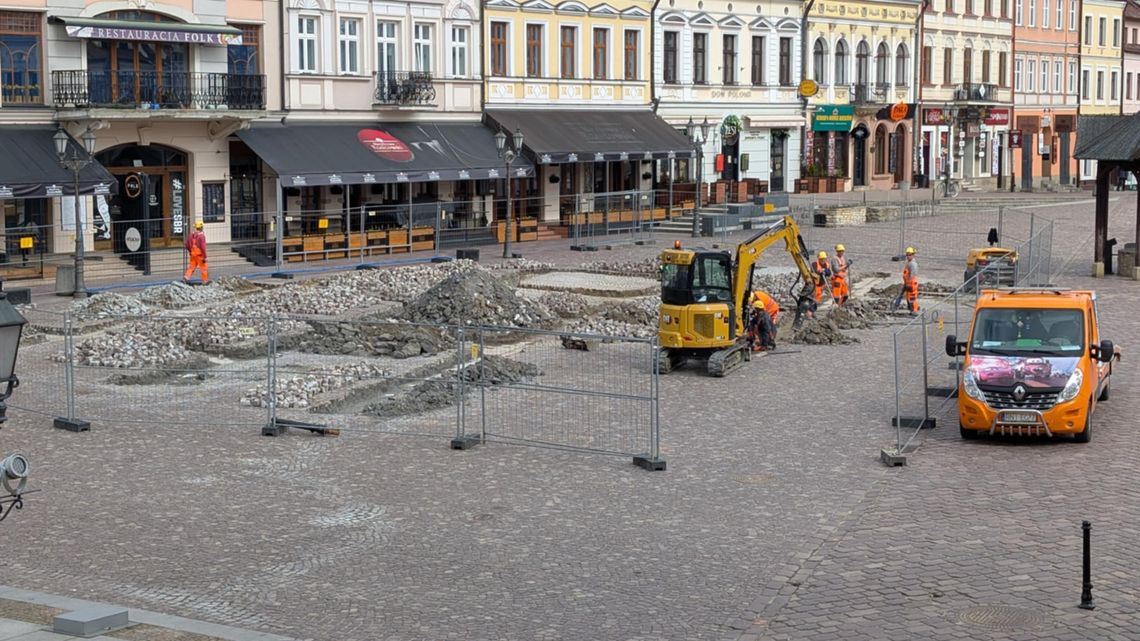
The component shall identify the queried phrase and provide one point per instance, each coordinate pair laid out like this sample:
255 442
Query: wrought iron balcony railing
157 90
864 94
976 92
404 88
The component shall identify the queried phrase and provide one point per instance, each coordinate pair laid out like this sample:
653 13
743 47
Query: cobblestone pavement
775 519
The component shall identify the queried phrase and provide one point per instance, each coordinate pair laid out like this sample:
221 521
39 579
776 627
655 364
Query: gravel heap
565 304
642 311
820 330
524 265
298 391
236 284
366 339
430 395
107 305
475 298
608 327
643 267
403 284
129 346
178 294
854 314
32 336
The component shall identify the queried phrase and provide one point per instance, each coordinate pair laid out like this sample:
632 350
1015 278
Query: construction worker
765 312
196 245
822 270
839 265
910 281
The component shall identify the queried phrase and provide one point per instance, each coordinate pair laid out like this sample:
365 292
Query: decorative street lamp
13 468
698 134
508 156
76 163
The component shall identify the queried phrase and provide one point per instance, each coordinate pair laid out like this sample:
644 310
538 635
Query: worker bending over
839 265
765 311
910 281
196 245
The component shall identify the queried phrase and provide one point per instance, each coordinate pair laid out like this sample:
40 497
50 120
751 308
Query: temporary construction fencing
926 379
466 384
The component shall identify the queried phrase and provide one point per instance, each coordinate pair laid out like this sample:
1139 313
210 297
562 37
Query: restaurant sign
997 116
154 35
832 118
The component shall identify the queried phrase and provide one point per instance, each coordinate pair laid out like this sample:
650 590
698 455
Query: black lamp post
698 134
76 162
13 468
508 156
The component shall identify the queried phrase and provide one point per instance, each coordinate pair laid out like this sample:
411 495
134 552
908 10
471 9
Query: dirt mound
854 314
367 339
639 311
814 331
475 298
430 395
924 288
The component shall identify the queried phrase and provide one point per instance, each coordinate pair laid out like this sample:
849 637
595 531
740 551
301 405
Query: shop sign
1063 123
133 186
808 88
133 239
973 129
899 111
934 117
833 118
730 129
860 132
177 192
1015 139
153 35
997 116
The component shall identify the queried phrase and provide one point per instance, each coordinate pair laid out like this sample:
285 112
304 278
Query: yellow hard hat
910 250
840 247
823 254
198 225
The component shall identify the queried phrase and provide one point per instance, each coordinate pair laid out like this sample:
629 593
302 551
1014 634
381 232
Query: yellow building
861 55
574 79
1101 43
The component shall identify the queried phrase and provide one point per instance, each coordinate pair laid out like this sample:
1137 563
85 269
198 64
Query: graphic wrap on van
1038 372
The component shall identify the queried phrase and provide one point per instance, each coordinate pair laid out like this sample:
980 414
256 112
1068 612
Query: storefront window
24 219
129 72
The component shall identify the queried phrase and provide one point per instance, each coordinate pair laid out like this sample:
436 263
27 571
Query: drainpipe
283 16
1004 149
653 56
803 75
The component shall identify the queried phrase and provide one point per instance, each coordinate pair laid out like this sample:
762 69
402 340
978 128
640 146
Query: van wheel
1085 436
967 434
1104 392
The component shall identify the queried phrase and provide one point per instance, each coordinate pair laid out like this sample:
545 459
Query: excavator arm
749 251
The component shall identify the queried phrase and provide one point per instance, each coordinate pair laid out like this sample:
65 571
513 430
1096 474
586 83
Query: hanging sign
1015 139
833 118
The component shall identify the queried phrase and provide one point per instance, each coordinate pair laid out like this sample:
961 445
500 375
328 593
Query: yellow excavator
705 298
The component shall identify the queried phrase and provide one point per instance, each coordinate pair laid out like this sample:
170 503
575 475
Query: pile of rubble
434 394
643 311
524 265
854 314
129 347
609 327
820 330
107 305
475 298
299 391
395 340
32 335
566 304
178 294
402 284
644 267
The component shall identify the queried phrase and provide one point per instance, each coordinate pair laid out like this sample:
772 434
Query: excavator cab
697 277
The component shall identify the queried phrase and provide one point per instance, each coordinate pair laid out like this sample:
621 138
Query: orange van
1034 364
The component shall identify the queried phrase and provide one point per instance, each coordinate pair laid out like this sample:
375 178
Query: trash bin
65 280
1108 245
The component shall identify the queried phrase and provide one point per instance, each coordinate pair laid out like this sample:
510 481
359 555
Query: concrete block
1098 270
90 621
1136 273
10 629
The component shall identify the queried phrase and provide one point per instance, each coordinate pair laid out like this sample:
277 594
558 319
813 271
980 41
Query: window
534 51
967 65
785 62
421 47
729 64
1031 77
1045 11
1088 30
1085 84
1033 13
700 53
818 60
1060 15
927 64
841 62
21 51
1114 83
632 48
1072 15
1057 76
569 52
1017 86
459 51
985 65
1071 89
902 60
969 7
349 46
759 46
1017 12
881 149
949 6
1003 77
1102 36
988 7
306 44
386 47
882 64
947 66
1128 85
1116 32
1100 85
862 65
499 49
243 59
1044 76
1005 9
670 65
601 54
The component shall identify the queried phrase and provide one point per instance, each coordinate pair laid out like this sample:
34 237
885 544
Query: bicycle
949 187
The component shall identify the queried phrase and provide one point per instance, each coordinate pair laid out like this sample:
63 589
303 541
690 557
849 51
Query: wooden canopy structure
1114 142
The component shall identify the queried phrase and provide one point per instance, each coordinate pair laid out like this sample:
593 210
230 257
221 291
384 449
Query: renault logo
1019 393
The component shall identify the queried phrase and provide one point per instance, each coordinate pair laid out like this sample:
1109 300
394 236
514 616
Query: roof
555 136
1110 138
30 168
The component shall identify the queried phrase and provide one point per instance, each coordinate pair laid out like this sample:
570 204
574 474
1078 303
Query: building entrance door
860 173
776 176
166 209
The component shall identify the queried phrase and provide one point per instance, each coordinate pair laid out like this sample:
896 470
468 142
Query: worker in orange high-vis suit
839 265
196 245
765 313
910 281
822 270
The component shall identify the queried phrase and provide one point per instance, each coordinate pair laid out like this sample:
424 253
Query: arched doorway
166 212
898 157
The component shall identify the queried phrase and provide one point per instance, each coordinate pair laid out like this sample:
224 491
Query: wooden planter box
803 186
741 192
834 185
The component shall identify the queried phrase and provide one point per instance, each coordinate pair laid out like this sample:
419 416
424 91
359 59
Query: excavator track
725 360
668 360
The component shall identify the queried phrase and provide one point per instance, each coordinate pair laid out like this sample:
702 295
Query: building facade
740 72
162 86
1130 103
862 59
1101 31
967 48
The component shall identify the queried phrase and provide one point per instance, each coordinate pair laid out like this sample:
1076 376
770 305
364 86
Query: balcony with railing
976 92
404 88
864 94
131 89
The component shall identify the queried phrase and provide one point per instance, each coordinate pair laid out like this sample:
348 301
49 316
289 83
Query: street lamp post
508 156
698 134
13 468
76 163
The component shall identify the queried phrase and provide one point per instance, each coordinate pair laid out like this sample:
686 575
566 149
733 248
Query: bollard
1086 587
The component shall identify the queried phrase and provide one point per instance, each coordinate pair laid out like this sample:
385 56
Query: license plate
1020 418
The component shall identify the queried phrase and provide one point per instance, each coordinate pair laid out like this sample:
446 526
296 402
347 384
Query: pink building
1131 95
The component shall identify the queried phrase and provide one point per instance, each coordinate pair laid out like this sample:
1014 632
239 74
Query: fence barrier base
892 458
583 248
279 426
282 275
651 464
72 424
465 442
914 422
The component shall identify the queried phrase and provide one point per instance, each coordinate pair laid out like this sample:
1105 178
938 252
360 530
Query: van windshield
1012 332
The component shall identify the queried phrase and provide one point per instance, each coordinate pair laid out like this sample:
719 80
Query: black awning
218 35
29 167
351 154
559 136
